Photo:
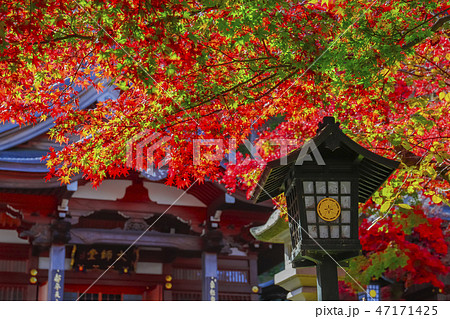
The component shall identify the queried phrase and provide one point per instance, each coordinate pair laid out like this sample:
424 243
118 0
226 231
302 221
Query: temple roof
22 147
12 135
29 160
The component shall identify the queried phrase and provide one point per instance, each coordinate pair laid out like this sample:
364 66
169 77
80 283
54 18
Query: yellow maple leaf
100 86
64 179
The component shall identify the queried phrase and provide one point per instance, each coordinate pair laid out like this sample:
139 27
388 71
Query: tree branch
410 159
439 23
69 36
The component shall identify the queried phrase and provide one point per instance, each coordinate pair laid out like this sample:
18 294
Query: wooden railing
13 265
12 293
195 296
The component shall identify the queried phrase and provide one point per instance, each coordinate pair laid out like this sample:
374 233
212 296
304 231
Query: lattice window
314 192
293 215
232 276
238 276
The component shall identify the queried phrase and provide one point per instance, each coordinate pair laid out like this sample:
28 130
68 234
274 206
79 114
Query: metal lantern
323 208
323 182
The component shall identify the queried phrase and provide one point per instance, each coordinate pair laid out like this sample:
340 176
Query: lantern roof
374 169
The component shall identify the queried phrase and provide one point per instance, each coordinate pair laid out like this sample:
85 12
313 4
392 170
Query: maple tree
407 247
227 70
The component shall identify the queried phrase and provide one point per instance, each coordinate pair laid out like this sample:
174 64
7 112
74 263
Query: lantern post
323 182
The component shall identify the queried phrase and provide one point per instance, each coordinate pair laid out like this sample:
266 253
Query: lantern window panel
308 187
345 187
293 215
312 231
345 202
345 217
323 231
345 231
316 227
334 231
336 221
321 187
309 202
297 235
319 198
294 229
333 187
311 216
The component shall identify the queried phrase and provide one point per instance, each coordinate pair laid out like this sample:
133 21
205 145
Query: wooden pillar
210 290
327 280
33 263
213 243
167 294
253 275
56 273
154 294
42 292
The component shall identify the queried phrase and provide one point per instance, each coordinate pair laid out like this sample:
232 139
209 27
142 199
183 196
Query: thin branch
427 20
69 36
410 73
439 23
76 73
239 61
276 86
425 58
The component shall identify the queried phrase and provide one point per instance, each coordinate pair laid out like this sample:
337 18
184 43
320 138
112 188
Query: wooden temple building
56 241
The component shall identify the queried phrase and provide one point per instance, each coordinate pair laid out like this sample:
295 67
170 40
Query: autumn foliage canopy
232 70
